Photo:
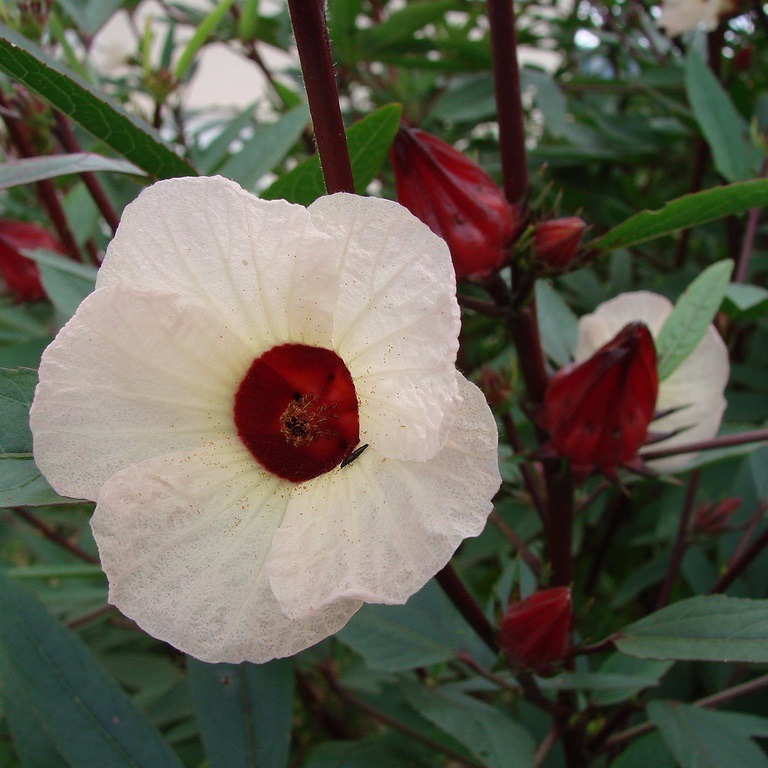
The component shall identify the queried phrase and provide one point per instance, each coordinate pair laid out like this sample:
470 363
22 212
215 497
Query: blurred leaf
91 722
90 15
373 752
199 37
266 148
244 712
471 99
100 116
490 735
711 628
549 99
558 325
649 750
22 485
401 25
701 739
426 630
694 311
684 212
49 166
17 388
65 281
745 301
723 127
368 141
33 745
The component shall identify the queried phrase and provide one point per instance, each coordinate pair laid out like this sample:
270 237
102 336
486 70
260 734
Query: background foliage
621 120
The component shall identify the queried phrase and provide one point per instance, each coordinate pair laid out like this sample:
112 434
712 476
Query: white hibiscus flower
693 392
234 353
681 15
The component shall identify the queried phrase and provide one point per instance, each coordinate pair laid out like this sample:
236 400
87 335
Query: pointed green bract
692 315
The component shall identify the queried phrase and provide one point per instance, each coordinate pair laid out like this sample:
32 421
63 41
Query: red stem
509 106
311 33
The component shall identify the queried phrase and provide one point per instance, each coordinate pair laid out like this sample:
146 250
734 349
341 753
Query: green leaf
90 721
701 739
426 630
90 15
244 712
66 282
723 127
368 140
684 212
17 388
373 752
206 28
490 735
706 628
558 326
692 315
26 171
646 751
401 25
745 301
266 148
100 116
22 485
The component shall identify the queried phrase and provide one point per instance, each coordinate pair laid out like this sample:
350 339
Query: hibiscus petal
184 539
379 529
396 323
134 374
258 265
695 389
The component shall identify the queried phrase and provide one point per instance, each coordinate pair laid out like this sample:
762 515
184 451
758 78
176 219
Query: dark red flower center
296 411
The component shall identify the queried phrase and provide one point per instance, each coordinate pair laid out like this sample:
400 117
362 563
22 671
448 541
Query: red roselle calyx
21 274
535 632
598 411
556 241
456 199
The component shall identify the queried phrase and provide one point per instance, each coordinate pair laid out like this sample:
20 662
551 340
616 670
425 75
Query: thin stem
51 535
559 523
70 144
311 33
46 191
680 538
509 106
742 264
708 701
87 618
520 547
361 706
738 566
452 585
545 747
726 441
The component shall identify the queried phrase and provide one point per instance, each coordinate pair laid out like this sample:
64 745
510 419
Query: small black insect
352 456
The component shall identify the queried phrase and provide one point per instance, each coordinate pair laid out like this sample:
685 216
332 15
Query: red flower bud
21 274
495 386
598 411
456 199
715 516
556 241
535 633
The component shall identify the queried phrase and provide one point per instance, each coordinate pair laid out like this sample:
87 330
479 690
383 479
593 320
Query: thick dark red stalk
308 20
506 77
